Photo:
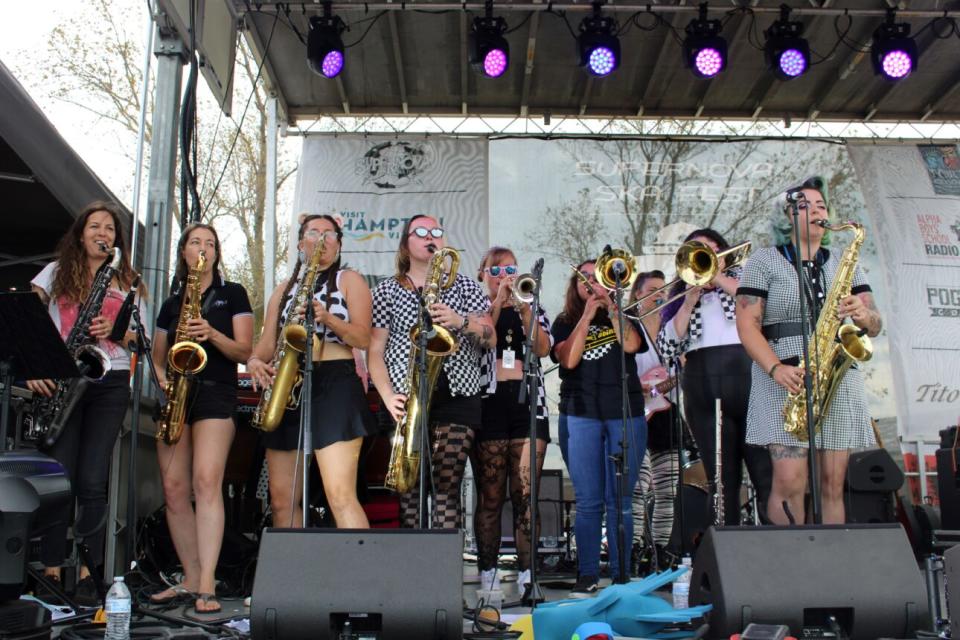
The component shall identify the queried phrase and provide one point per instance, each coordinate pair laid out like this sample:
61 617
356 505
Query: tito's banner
914 194
374 184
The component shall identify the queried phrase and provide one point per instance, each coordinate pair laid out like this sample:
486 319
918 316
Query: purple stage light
332 64
708 62
602 61
792 63
495 63
897 64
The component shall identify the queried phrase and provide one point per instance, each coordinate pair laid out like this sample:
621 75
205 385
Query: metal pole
141 136
270 206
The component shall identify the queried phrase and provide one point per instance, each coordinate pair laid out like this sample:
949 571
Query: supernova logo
395 164
944 302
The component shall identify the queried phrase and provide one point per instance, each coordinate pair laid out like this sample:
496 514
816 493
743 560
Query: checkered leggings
451 447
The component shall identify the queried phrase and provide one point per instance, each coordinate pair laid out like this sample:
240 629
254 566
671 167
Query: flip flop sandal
206 598
180 593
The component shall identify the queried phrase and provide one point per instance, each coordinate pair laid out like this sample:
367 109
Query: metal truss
573 127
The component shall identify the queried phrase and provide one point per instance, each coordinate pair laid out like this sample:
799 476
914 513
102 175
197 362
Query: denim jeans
591 442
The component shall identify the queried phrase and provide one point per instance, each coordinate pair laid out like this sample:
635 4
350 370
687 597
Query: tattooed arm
867 316
480 330
750 327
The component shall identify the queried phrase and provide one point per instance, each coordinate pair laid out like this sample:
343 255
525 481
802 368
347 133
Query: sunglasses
314 234
423 232
496 271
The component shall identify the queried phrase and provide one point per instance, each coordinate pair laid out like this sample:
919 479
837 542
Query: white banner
374 184
914 195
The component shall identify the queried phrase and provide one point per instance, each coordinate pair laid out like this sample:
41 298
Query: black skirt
340 411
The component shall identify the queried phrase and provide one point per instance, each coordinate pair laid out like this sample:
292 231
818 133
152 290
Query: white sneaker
489 580
523 578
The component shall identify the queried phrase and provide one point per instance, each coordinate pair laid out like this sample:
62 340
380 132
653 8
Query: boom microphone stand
794 198
531 389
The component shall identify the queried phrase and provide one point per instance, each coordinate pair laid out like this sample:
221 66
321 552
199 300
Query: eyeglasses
313 234
423 232
588 275
496 270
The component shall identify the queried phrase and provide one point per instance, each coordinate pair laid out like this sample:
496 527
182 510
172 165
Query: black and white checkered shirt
395 308
670 348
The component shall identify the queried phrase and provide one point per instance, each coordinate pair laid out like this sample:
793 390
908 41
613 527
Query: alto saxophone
185 359
50 415
404 466
284 393
837 345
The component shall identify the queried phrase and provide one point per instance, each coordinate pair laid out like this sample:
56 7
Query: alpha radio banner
914 195
374 184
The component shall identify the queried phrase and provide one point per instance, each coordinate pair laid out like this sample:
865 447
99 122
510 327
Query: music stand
30 348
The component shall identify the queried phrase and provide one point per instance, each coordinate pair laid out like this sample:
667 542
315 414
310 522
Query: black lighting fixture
894 53
325 53
489 51
704 49
597 44
786 52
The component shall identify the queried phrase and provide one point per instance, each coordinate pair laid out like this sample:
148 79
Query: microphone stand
812 466
620 460
306 409
677 427
531 389
424 521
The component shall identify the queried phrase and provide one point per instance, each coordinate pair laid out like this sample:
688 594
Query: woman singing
340 415
195 464
661 474
503 441
588 346
768 316
454 411
702 325
85 445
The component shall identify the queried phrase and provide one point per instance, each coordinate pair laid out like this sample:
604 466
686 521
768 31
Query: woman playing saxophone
768 320
340 413
194 463
85 445
454 410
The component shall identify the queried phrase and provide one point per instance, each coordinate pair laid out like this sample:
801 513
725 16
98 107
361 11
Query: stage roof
43 184
413 60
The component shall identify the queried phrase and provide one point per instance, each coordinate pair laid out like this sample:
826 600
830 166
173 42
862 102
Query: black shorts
209 399
506 419
340 411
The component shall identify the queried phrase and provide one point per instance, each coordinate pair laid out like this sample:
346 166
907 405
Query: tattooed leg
789 484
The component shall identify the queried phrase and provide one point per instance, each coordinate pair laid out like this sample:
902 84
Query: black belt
782 330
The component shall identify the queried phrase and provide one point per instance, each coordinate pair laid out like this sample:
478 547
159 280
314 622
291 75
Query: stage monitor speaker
391 584
873 470
948 489
951 576
864 576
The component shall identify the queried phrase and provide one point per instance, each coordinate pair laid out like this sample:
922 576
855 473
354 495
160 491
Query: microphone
795 194
122 323
538 268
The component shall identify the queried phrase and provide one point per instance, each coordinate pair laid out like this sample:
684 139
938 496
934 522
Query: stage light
324 45
489 50
598 45
894 53
704 50
787 54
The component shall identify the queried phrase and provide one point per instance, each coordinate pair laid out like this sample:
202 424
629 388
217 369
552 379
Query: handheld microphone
122 323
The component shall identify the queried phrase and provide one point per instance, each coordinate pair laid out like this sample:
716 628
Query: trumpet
522 290
696 264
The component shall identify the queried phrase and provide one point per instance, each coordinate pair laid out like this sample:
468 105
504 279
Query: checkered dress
396 309
671 348
769 275
488 368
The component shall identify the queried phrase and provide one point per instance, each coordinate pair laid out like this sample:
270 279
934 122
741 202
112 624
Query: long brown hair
72 277
573 306
182 267
403 251
331 271
493 254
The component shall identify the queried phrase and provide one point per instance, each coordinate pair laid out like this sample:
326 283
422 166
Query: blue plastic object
593 631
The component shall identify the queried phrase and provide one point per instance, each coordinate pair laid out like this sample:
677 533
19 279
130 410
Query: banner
914 194
374 184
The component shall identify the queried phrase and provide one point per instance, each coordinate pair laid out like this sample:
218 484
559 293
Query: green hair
782 223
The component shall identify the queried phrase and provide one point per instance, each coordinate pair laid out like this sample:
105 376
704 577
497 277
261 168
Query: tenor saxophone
185 359
404 466
284 392
836 345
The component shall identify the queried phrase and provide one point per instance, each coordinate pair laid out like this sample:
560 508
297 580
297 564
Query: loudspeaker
390 584
865 576
948 489
951 576
873 471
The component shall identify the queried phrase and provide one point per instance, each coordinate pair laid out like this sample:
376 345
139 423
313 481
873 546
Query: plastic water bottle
681 586
117 608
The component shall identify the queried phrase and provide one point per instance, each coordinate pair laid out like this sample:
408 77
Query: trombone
696 264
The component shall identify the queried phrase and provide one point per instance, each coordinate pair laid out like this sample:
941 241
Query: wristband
773 368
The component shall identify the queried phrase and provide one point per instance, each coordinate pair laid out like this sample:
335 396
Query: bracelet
253 358
773 368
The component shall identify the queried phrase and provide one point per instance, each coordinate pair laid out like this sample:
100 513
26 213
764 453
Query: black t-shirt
592 388
510 332
220 303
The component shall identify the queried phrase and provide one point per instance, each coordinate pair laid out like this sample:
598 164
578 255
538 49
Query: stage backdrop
373 184
913 193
